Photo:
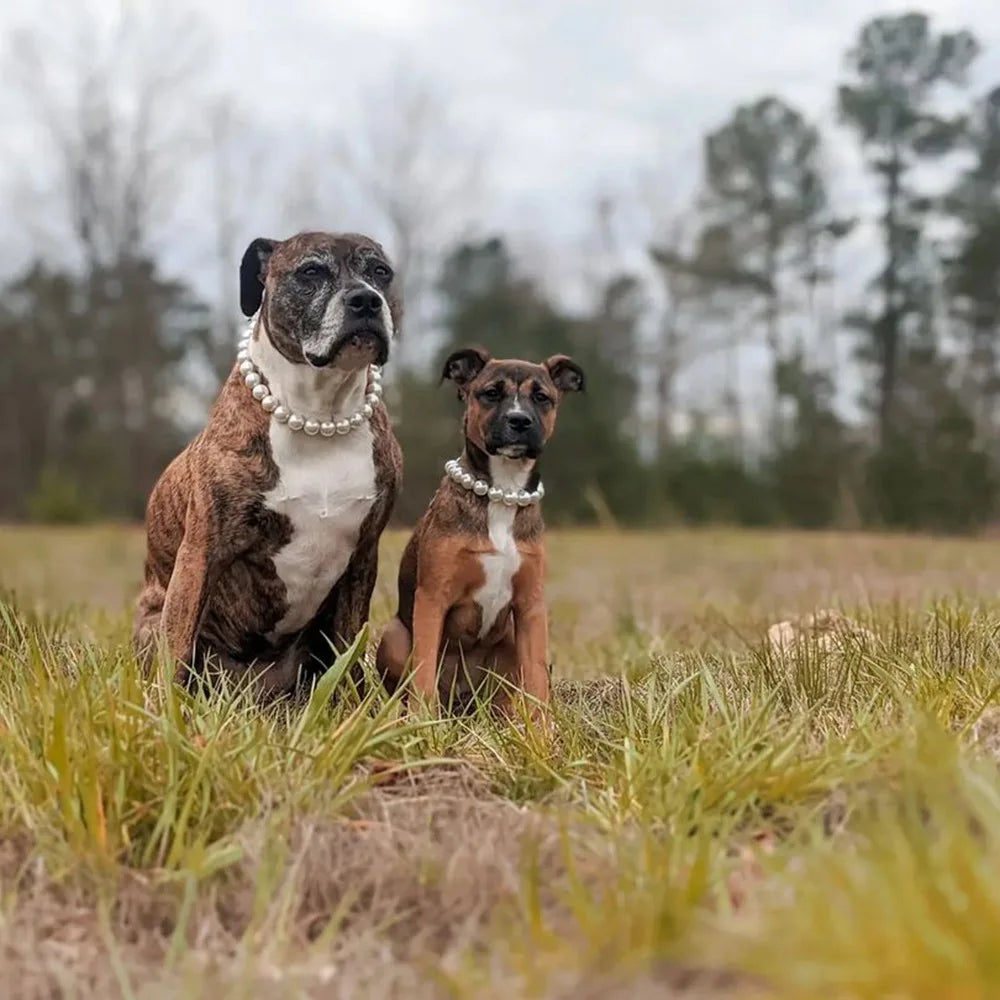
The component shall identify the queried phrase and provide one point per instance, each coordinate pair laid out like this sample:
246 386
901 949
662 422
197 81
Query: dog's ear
253 270
461 367
565 373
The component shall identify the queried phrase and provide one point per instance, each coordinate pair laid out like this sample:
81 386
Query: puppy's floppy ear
253 270
461 367
566 374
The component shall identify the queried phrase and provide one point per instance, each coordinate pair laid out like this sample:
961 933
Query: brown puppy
472 578
262 535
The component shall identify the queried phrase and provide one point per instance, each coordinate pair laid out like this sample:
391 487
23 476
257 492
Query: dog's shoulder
451 514
529 527
232 454
218 478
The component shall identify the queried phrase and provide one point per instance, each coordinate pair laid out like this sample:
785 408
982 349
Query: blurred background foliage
875 404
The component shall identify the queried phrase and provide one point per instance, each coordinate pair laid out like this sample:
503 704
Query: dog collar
261 391
512 498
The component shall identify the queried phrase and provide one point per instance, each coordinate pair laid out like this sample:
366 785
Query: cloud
571 97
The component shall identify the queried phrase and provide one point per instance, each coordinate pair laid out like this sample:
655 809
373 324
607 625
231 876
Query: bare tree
110 103
698 295
411 162
671 337
705 288
113 108
235 163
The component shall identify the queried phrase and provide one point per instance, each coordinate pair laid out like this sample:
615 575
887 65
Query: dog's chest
326 489
499 566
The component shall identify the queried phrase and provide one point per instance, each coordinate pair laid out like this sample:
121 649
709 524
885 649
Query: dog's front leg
187 593
531 635
531 632
428 625
346 609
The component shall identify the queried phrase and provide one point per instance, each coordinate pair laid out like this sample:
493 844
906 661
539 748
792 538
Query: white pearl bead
252 379
356 420
270 403
260 391
242 355
295 422
512 498
311 427
371 400
376 373
246 367
343 427
377 389
328 428
367 411
281 414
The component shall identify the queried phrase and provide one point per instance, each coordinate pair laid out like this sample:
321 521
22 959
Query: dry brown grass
688 588
705 804
405 897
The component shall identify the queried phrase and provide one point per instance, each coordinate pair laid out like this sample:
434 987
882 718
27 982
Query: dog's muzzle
516 435
356 346
363 331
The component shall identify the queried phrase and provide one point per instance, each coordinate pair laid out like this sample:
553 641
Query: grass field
712 819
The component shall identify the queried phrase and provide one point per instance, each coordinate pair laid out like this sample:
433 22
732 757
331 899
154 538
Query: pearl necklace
261 391
520 498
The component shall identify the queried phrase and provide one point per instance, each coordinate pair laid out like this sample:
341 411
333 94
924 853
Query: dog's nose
315 359
362 302
518 421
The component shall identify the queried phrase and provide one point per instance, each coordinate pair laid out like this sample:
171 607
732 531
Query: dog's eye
541 398
381 271
311 271
491 394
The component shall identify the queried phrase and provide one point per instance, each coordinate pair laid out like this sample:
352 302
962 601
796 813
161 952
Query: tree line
878 404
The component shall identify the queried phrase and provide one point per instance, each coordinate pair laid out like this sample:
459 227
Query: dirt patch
368 905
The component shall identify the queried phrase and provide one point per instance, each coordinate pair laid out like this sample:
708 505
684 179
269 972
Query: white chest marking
501 565
326 488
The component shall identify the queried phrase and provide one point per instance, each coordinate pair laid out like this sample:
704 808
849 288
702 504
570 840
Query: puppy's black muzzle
516 434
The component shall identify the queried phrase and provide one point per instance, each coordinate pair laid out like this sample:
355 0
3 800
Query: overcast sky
568 99
574 95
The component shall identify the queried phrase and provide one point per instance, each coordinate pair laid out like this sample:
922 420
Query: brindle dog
262 535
